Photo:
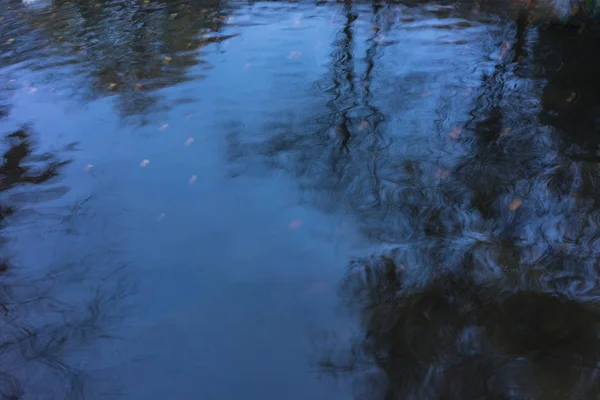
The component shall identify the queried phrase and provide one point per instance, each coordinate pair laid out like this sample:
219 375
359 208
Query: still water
297 200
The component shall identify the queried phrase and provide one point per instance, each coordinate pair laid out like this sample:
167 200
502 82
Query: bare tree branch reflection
491 287
129 49
48 315
494 301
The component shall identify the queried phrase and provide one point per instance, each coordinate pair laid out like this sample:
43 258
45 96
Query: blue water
219 166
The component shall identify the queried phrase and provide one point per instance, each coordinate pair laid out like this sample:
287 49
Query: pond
325 200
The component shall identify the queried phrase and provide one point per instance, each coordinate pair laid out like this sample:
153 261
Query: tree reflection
46 313
491 288
571 96
455 338
129 49
494 301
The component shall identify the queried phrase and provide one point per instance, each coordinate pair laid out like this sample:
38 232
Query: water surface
297 200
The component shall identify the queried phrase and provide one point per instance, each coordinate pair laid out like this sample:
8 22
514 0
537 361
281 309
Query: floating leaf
294 55
456 132
10 41
167 60
161 216
505 132
32 90
317 288
88 167
516 203
111 86
571 97
163 127
442 174
295 224
144 163
138 86
189 141
193 179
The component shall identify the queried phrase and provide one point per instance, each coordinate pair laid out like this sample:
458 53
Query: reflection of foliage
492 289
45 313
570 68
130 48
12 170
485 300
454 338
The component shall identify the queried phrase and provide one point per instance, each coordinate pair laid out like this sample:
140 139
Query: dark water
297 200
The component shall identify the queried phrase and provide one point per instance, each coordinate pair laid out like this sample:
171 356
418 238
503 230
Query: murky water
297 200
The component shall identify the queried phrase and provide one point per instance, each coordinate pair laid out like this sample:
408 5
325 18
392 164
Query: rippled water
297 200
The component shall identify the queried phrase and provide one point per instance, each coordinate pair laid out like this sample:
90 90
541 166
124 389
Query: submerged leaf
456 132
295 224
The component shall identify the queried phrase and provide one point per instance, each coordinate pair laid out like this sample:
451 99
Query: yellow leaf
516 203
571 97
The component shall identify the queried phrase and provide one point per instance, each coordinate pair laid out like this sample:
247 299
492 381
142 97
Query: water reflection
454 337
491 287
570 98
47 311
462 144
127 49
